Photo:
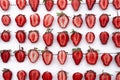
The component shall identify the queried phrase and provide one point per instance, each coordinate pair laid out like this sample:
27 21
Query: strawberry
34 20
33 55
5 4
63 38
77 21
116 39
47 76
77 55
20 36
34 74
21 4
48 20
62 56
20 20
105 76
106 59
90 75
48 37
63 20
117 59
21 75
5 36
117 76
47 56
62 4
104 19
92 56
6 20
7 74
116 4
90 3
75 4
90 37
116 22
90 20
20 55
62 75
34 4
5 55
103 4
76 37
33 36
77 76
49 4
104 36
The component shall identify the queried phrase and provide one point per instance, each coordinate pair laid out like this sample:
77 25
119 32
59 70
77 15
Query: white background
69 66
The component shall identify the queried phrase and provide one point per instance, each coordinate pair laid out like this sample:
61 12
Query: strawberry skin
63 38
117 76
90 4
5 55
62 4
75 4
116 22
34 74
49 4
47 76
103 4
21 36
77 76
5 36
62 75
117 59
90 75
77 55
116 4
7 74
116 39
21 4
5 4
105 76
6 20
34 4
90 37
21 75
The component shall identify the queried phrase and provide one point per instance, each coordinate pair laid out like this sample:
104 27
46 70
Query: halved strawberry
49 4
33 55
34 74
62 4
62 75
90 3
75 4
105 76
7 74
21 75
6 20
116 4
5 4
5 55
34 4
116 22
20 36
103 4
90 75
77 76
116 39
48 20
5 36
117 76
117 59
34 20
33 36
90 37
21 4
47 76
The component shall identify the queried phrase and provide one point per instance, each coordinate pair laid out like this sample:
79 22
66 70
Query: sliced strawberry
49 4
116 4
77 76
34 4
117 59
34 74
20 36
90 75
34 20
33 36
21 75
103 4
116 39
104 36
105 76
117 76
62 4
5 4
6 20
21 4
90 3
5 55
116 22
7 74
5 36
48 20
47 76
90 37
62 75
75 4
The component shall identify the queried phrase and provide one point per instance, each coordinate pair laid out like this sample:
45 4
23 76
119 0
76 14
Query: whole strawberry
4 4
75 4
117 76
34 4
47 76
116 22
62 75
62 4
105 76
90 75
90 37
5 36
6 20
21 75
103 4
34 74
7 74
90 4
116 39
21 4
116 4
5 55
117 59
77 76
20 36
49 4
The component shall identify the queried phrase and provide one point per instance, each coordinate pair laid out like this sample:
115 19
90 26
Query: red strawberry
77 21
20 20
105 76
6 20
90 20
48 20
47 56
7 74
34 75
63 20
33 36
116 22
33 55
104 19
75 4
5 55
49 4
117 59
47 76
62 4
90 37
92 56
63 38
34 20
5 36
62 56
90 75
90 3
104 36
34 4
77 76
103 4
116 39
21 36
20 55
106 59
62 75
48 37
77 55
21 75
117 76
76 37
5 4
116 4
21 4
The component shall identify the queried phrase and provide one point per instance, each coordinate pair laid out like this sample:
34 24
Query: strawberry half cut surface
62 4
116 39
6 20
34 4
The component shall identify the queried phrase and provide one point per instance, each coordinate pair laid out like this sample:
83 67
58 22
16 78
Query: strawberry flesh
104 36
75 4
116 39
5 4
117 59
90 3
90 37
49 4
34 5
7 74
5 55
34 75
118 76
62 75
6 20
21 75
62 4
105 76
90 75
103 4
21 4
47 76
116 4
77 76
116 22
20 36
5 36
